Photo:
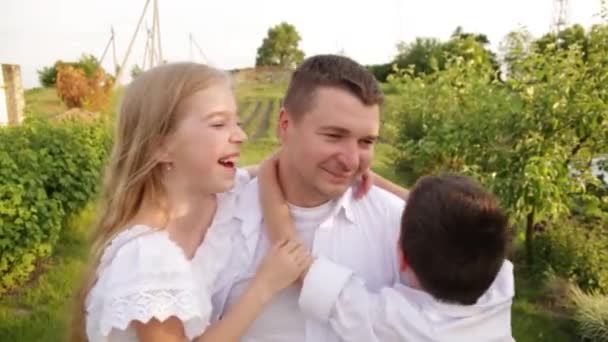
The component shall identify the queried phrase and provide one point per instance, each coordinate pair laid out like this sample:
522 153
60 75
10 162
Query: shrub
72 86
47 172
576 252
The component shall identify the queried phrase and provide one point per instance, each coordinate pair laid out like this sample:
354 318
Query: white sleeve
331 294
149 278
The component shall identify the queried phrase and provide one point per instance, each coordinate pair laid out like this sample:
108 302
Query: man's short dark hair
332 71
454 237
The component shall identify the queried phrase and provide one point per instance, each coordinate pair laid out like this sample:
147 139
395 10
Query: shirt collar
249 211
499 294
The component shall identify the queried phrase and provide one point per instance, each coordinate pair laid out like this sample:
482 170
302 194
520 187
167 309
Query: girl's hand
282 266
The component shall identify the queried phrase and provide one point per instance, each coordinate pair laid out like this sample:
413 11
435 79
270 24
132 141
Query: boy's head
453 237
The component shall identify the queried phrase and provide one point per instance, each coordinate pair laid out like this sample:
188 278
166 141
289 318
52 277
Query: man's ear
283 124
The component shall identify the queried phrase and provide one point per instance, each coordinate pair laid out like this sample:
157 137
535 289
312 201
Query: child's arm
274 206
332 294
283 264
370 178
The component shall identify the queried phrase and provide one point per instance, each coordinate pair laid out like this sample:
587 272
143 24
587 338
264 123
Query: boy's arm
274 206
332 294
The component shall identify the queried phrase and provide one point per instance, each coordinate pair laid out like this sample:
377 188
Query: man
327 127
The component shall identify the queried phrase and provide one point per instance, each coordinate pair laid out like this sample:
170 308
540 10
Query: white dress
144 275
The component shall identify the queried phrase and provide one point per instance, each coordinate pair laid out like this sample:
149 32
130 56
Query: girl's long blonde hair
148 111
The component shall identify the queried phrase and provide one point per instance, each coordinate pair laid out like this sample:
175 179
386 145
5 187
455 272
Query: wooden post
12 101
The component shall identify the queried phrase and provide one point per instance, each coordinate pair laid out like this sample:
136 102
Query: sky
36 33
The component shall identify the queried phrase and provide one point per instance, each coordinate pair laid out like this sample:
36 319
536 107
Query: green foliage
424 54
89 64
574 251
47 76
280 47
40 311
591 314
381 71
529 139
428 55
47 173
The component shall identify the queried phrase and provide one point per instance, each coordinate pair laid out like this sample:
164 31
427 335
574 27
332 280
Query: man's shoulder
378 199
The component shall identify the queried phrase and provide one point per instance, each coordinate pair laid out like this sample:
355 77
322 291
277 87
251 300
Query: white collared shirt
402 313
358 234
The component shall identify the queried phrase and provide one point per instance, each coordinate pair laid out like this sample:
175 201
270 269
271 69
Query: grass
43 101
533 319
260 91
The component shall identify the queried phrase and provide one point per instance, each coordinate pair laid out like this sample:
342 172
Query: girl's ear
162 149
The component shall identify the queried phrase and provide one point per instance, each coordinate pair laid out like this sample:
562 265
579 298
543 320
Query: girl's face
204 148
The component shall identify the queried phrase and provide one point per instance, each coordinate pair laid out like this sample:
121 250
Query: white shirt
359 234
401 313
143 275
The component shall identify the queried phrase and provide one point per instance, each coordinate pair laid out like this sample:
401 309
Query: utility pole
126 57
561 11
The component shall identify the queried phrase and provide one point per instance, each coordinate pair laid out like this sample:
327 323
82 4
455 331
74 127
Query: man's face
330 145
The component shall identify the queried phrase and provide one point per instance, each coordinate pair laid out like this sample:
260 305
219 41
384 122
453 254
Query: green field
39 310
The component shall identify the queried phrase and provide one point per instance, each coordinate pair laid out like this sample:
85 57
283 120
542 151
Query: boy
456 283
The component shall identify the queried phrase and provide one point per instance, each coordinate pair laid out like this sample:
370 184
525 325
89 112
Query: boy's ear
403 264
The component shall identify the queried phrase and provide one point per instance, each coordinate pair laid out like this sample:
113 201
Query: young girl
170 183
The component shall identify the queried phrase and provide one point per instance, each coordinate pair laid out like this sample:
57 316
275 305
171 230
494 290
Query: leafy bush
72 86
47 172
77 89
576 252
47 76
381 71
81 84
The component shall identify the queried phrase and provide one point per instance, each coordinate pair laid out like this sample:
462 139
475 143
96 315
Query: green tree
515 46
280 47
424 54
428 55
47 76
529 139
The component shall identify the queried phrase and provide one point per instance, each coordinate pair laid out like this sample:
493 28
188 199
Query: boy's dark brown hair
454 237
332 71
